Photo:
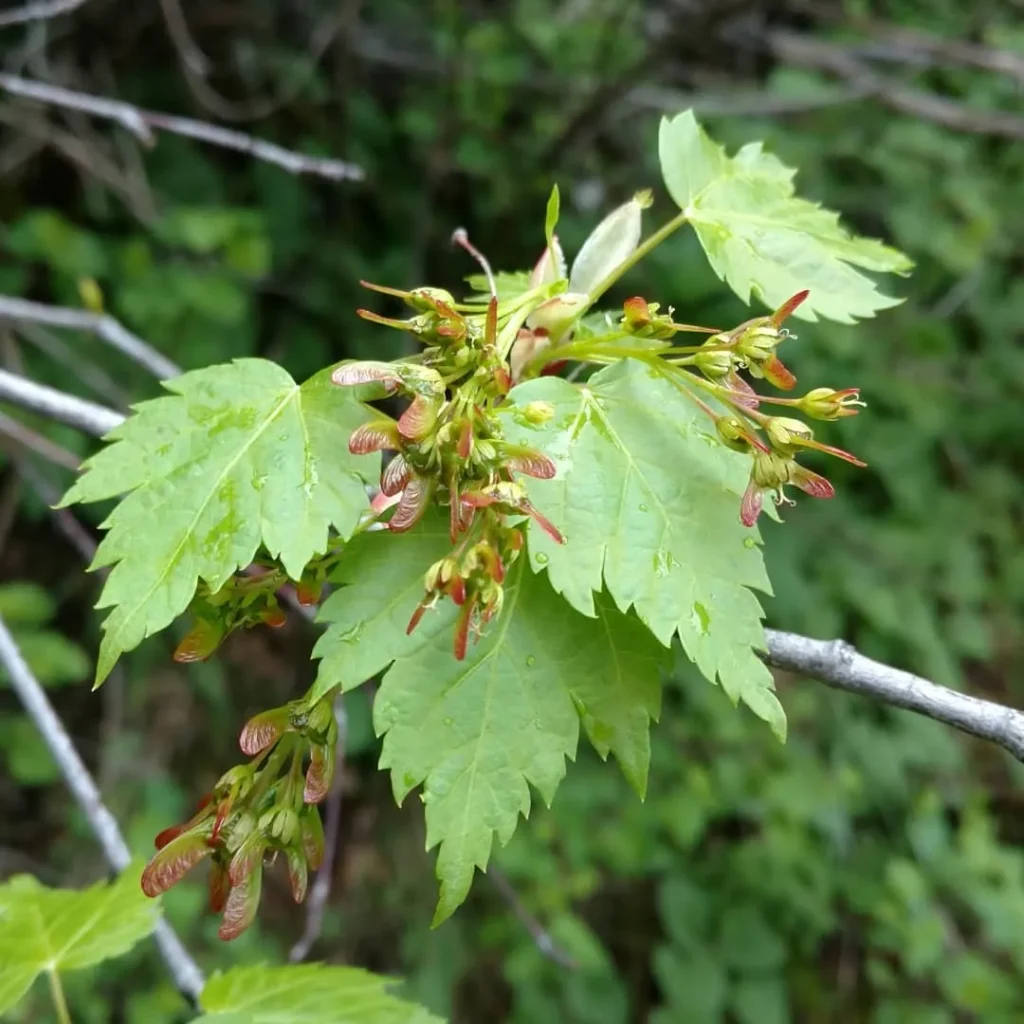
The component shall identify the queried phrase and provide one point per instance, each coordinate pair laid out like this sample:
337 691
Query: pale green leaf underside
305 994
239 455
648 501
764 240
478 733
44 929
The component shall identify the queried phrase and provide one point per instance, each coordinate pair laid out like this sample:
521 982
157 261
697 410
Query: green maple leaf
240 455
648 501
53 930
305 994
478 733
761 238
510 284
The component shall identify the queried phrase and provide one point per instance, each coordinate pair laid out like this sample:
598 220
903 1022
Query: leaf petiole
57 992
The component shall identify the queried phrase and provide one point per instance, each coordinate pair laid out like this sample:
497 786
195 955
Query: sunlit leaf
478 733
764 240
305 994
44 929
648 502
239 455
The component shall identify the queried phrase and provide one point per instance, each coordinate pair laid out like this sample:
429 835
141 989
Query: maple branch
39 11
839 665
320 890
140 123
28 440
546 945
76 412
183 969
104 327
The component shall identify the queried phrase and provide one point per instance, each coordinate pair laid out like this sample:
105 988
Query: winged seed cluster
537 544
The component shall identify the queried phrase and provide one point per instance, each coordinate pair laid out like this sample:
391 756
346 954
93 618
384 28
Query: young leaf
477 733
305 994
45 929
510 285
239 455
551 217
761 238
648 502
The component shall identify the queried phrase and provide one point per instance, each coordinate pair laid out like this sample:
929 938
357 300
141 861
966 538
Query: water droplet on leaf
749 542
643 508
541 558
530 661
448 721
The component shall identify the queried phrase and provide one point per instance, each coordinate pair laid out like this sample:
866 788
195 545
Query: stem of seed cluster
57 991
645 247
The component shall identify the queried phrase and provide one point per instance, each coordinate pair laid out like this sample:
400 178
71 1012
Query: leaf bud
609 245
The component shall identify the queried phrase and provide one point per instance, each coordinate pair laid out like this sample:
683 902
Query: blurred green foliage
870 870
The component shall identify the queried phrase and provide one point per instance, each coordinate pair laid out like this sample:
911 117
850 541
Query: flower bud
771 471
641 318
714 364
528 343
611 243
826 404
757 342
546 270
427 300
732 433
285 826
557 315
440 573
320 717
782 430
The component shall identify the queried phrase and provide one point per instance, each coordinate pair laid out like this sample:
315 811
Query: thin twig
91 375
75 533
39 11
140 122
76 412
803 51
839 665
104 327
92 163
542 939
320 891
196 66
26 438
183 969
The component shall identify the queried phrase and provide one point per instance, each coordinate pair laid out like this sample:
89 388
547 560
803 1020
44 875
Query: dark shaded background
869 871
